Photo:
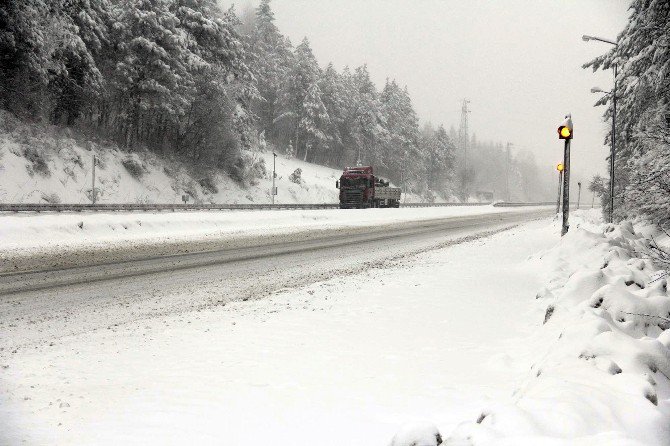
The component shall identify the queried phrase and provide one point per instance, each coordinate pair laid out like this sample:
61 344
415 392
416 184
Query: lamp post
586 38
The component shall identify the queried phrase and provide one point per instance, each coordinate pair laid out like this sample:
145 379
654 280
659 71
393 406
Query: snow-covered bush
38 161
247 169
208 185
51 198
134 167
296 176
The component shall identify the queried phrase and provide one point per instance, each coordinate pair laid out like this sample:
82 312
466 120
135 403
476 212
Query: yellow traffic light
560 167
564 132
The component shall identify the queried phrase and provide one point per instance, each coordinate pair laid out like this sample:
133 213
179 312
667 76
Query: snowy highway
254 343
63 301
338 338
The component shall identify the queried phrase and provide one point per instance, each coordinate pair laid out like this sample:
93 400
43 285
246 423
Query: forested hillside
642 160
187 80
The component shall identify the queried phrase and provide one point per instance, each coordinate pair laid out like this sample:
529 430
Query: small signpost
274 176
185 198
93 191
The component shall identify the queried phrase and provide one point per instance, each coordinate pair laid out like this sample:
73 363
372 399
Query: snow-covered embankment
602 358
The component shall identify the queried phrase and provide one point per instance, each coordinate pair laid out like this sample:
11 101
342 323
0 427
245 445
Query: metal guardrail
46 207
503 204
434 205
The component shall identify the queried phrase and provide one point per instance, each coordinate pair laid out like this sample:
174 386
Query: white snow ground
446 336
340 362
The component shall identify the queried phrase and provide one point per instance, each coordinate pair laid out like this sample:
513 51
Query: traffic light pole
566 187
558 197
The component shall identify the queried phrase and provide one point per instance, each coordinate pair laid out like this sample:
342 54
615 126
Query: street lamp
586 38
600 90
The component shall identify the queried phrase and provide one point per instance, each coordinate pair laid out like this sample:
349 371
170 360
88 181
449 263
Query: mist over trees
642 161
184 78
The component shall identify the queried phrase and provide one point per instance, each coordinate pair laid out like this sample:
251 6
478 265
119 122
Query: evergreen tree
302 76
314 121
269 61
367 129
642 56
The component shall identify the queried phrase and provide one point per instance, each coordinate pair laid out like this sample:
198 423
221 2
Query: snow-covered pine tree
333 97
302 75
152 80
643 110
314 121
400 145
269 60
367 127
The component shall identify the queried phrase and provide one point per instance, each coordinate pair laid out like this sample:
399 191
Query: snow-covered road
339 356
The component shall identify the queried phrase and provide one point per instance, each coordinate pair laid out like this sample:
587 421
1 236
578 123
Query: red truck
360 189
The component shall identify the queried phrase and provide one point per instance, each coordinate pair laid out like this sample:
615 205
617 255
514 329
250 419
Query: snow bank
30 237
602 359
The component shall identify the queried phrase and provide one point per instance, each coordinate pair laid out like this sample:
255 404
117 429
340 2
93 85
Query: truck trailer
361 189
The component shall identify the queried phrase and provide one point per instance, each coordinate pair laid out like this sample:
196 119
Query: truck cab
360 189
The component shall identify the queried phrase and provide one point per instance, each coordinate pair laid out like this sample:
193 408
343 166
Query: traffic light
560 167
565 129
564 132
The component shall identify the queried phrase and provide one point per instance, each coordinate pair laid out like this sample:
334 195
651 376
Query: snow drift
602 357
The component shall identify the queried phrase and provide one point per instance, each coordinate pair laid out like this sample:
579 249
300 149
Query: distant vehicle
360 189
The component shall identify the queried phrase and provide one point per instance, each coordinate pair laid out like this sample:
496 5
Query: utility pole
613 147
464 143
565 132
579 193
587 38
507 195
559 167
274 176
93 197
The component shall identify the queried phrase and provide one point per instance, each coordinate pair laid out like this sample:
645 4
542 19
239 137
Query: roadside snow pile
601 359
424 434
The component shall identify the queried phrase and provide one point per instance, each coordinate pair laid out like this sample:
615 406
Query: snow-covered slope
45 164
601 360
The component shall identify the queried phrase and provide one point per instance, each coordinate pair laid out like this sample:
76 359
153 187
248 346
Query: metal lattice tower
464 142
464 131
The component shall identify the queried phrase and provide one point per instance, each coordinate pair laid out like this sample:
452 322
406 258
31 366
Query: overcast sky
517 61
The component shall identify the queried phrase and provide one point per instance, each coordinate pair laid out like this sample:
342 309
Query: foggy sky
517 61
